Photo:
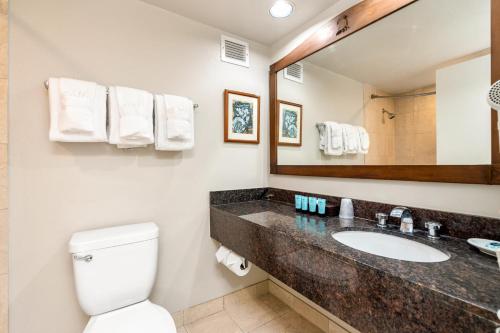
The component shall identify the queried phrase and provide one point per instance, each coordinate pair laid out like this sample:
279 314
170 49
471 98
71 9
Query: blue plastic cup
321 206
312 204
298 201
304 204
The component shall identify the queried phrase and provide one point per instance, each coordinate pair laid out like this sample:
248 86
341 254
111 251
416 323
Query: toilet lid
137 318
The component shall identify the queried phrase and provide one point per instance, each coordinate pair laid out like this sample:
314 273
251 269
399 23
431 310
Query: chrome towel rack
46 84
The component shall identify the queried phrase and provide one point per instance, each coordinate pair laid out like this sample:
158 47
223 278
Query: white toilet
115 270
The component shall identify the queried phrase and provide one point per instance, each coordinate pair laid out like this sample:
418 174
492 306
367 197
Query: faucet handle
433 228
381 220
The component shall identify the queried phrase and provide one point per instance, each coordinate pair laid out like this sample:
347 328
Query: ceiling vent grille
294 72
235 51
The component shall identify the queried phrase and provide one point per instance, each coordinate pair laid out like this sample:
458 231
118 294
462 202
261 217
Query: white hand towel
364 140
334 139
179 117
174 123
130 117
77 111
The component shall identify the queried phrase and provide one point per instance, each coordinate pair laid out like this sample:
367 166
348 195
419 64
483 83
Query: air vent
294 72
234 51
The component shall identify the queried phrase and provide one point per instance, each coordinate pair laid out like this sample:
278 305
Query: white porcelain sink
390 246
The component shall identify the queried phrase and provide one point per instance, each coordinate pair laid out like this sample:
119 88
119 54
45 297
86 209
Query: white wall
463 116
57 188
473 199
324 96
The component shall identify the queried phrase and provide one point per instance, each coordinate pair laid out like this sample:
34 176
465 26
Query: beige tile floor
264 314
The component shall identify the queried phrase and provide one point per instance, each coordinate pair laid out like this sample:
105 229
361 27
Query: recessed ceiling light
281 9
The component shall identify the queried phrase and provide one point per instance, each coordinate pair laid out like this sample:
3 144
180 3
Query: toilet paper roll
234 262
222 253
239 270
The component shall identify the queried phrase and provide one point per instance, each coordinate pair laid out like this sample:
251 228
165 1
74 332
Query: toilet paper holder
244 265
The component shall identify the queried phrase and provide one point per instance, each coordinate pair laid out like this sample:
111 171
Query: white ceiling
246 18
401 52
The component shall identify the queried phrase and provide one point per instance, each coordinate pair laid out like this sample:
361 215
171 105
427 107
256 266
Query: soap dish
485 245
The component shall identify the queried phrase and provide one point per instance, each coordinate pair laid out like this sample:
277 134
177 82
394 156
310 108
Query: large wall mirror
396 90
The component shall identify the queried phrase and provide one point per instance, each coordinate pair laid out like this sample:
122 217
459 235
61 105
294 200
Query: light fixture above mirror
282 9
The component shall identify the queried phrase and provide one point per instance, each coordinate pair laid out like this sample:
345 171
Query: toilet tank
114 267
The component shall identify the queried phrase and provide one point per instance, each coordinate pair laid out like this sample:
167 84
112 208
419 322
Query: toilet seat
138 318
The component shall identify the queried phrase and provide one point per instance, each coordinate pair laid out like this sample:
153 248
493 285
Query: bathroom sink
390 246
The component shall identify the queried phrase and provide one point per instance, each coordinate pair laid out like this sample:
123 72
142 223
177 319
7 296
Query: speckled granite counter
372 293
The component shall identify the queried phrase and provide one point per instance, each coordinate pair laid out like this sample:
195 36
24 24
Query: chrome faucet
404 215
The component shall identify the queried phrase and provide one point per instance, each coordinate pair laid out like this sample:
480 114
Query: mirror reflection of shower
390 115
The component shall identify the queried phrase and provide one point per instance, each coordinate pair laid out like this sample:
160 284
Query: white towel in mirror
364 140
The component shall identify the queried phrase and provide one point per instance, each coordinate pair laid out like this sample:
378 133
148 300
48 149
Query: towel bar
46 83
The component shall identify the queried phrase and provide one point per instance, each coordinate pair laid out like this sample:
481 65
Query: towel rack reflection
46 84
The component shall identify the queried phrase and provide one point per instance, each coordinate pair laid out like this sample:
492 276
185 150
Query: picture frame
241 117
290 124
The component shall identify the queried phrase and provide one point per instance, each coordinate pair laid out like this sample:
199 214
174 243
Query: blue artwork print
242 117
290 126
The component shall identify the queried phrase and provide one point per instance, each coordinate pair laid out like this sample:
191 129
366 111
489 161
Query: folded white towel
77 111
333 139
130 117
179 122
364 140
76 114
350 137
174 123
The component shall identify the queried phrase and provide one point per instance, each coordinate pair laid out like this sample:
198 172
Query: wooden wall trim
495 174
495 76
466 174
273 121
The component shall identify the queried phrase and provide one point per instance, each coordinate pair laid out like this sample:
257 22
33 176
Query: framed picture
290 124
241 117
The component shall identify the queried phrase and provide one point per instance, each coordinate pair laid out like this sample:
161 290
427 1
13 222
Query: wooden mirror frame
359 17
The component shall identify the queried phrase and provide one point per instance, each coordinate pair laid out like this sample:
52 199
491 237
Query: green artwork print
290 126
242 117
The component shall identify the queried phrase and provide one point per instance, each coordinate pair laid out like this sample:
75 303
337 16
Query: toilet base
138 318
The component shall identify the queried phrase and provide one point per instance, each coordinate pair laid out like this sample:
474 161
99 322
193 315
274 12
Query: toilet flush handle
87 258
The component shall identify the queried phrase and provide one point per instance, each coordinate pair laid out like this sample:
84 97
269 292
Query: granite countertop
469 280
